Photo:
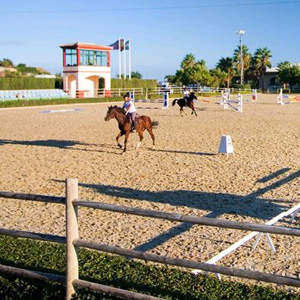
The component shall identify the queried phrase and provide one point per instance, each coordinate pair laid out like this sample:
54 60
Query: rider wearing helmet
128 105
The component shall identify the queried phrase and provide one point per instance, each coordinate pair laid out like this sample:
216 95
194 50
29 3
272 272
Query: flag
127 45
119 44
122 42
115 45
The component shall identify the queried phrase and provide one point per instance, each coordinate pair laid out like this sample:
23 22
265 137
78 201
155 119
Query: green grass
168 283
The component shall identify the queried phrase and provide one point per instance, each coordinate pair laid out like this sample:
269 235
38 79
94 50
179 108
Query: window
71 57
101 57
93 58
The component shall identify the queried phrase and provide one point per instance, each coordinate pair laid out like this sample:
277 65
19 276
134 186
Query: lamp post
240 33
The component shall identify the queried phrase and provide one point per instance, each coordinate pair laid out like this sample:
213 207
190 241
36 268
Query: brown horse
189 102
142 123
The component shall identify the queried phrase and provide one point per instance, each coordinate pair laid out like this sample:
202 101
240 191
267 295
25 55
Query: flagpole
119 47
129 58
124 59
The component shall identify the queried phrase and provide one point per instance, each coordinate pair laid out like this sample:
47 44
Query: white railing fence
73 202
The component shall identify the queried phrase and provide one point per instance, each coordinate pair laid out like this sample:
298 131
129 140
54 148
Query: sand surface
184 174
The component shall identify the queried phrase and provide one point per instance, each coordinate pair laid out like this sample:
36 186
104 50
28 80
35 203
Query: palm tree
245 55
188 61
261 61
227 65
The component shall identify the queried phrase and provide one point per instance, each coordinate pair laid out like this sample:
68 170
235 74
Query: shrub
26 83
133 83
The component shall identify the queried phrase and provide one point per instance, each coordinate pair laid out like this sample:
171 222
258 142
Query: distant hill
8 69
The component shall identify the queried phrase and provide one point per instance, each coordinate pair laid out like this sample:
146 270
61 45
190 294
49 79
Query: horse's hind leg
152 136
126 139
117 138
141 139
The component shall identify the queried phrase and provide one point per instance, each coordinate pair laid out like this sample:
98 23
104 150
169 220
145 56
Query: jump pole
292 211
227 103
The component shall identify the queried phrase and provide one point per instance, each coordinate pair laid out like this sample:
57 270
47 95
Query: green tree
284 73
227 65
136 74
218 77
7 63
261 60
188 62
294 76
191 72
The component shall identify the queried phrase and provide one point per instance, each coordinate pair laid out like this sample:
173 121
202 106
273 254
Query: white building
84 66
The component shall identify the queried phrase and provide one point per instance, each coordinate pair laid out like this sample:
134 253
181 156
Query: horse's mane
119 109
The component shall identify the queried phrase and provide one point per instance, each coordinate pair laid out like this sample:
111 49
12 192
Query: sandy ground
183 175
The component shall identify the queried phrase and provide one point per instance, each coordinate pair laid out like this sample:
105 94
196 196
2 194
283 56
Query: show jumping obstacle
281 96
164 101
229 103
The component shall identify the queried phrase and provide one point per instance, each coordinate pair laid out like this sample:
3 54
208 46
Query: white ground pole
292 211
280 98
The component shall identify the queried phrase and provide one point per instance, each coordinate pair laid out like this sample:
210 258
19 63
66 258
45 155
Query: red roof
88 46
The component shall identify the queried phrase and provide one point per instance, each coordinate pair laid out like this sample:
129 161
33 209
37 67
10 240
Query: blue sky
162 31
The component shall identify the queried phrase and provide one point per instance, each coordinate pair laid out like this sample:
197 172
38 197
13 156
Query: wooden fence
71 280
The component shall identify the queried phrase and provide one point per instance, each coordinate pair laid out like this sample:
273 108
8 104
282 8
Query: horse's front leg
182 111
118 137
193 110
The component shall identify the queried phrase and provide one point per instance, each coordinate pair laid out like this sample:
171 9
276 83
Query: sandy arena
184 174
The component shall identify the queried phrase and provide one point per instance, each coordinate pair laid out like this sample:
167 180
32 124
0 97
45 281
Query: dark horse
142 123
186 102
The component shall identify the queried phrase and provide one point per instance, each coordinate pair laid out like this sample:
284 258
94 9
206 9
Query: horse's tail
174 102
154 123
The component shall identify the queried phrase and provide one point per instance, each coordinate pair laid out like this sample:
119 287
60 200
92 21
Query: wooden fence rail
72 203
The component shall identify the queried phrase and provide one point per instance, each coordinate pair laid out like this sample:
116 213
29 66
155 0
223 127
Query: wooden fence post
72 235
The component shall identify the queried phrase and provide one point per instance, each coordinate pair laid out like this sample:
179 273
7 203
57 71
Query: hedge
26 83
133 83
39 102
165 282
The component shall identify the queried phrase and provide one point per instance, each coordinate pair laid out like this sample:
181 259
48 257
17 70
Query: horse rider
128 105
186 94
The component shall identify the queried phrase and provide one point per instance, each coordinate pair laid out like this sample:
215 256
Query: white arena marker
226 145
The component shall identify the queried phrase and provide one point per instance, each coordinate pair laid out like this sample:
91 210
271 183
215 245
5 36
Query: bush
38 102
165 282
133 83
242 86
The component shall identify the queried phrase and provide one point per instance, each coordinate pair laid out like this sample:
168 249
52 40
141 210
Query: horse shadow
61 144
217 204
44 143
